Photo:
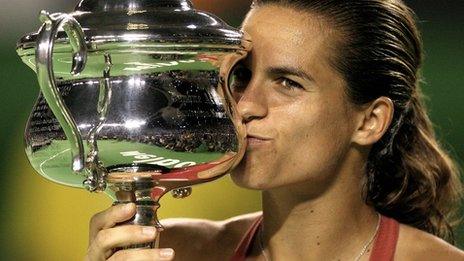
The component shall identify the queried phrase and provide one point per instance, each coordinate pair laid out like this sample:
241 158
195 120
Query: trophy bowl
134 100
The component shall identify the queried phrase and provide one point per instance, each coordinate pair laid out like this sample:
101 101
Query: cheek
310 140
314 141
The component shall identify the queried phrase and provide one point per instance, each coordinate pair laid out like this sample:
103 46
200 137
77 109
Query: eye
239 78
289 84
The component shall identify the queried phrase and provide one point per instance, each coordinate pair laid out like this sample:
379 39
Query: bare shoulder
415 244
202 239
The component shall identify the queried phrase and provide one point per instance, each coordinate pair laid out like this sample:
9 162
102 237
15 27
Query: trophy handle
46 76
228 65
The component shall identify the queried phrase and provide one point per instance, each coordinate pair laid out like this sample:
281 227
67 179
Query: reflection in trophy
146 108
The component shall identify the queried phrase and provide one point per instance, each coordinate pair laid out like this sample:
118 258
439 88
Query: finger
120 236
109 218
143 254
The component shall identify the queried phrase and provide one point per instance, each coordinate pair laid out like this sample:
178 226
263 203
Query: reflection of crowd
178 108
43 127
207 139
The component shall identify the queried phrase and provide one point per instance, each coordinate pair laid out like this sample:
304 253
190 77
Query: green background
45 221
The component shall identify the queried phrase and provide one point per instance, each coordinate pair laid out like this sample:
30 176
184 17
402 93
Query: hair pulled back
409 176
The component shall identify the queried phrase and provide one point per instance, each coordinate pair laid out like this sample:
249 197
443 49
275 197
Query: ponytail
415 181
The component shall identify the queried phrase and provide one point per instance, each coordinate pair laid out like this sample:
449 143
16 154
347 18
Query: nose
252 102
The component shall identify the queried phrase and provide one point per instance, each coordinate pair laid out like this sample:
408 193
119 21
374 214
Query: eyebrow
288 70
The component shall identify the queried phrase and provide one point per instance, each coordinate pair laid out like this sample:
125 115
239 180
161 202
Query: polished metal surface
181 192
137 189
131 23
134 100
160 100
174 119
46 76
96 179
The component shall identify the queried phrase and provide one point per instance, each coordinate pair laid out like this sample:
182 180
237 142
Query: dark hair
409 176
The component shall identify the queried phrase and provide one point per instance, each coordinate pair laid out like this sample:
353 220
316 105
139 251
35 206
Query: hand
104 237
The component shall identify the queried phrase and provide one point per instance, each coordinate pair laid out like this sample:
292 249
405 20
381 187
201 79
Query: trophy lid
140 23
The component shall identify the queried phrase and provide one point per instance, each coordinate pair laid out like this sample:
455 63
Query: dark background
45 221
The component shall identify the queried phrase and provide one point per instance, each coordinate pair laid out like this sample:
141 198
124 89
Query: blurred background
45 221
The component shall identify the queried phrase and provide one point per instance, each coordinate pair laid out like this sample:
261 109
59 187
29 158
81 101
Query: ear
373 121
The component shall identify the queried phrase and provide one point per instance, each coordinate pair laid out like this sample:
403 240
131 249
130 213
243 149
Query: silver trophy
134 100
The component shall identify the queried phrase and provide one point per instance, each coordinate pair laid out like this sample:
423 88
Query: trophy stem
145 216
133 187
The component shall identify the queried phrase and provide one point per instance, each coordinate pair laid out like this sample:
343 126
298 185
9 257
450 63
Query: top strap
242 248
387 238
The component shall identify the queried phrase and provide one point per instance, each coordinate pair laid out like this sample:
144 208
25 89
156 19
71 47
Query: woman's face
298 119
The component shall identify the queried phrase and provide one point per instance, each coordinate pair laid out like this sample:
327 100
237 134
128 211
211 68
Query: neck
336 224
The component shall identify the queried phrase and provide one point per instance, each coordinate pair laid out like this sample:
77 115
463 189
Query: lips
259 137
255 141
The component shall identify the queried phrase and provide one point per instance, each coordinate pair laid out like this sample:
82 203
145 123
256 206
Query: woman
338 141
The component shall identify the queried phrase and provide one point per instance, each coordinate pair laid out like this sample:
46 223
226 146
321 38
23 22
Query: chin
249 179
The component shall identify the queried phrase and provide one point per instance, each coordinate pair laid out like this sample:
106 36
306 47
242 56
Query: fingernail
166 253
149 231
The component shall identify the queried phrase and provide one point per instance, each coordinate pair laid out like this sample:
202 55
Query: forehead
290 33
